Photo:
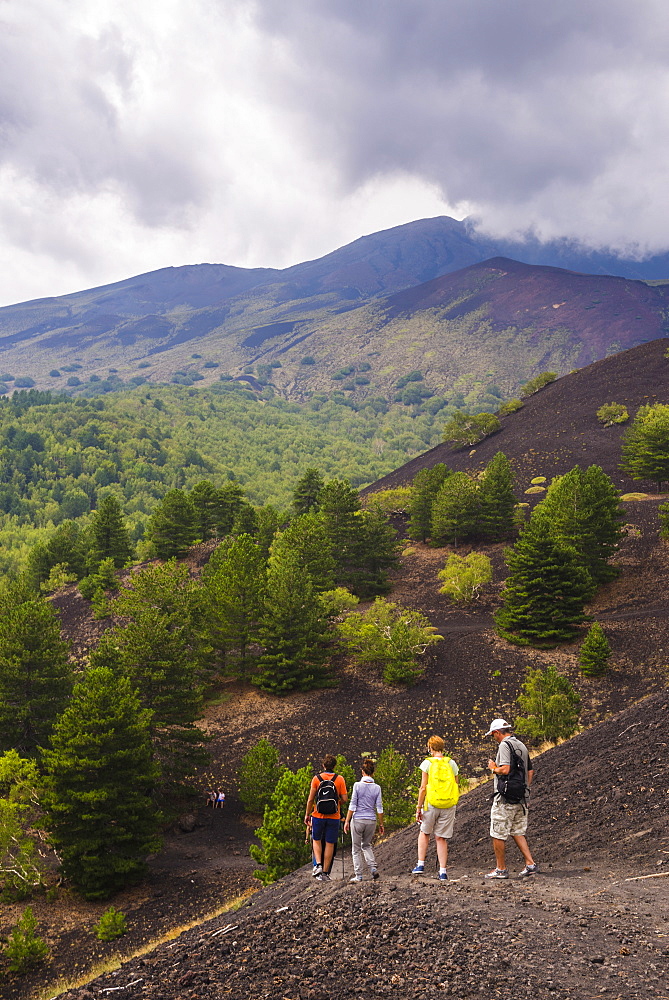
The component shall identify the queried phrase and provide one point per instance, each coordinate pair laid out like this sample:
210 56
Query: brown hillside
558 428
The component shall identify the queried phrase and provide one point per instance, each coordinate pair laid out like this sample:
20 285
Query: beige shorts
507 820
440 822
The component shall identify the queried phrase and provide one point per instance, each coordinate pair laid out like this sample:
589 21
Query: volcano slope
587 926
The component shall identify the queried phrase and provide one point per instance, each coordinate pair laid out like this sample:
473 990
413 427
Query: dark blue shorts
325 829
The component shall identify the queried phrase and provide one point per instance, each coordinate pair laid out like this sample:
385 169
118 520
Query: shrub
510 407
72 380
394 501
335 602
259 775
551 703
463 429
595 652
463 577
399 786
24 949
308 360
54 373
663 513
612 413
111 925
536 489
391 636
538 480
538 382
25 382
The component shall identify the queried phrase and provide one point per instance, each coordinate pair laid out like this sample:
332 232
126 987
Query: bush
335 602
538 382
391 636
54 373
463 429
463 577
595 652
399 786
394 501
111 925
663 513
308 360
552 706
24 949
25 382
510 407
612 413
73 380
259 775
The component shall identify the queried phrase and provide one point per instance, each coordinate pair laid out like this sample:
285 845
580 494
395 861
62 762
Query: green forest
60 457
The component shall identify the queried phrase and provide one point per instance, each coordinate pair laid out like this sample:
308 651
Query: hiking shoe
355 878
375 874
443 876
318 869
325 877
528 870
418 870
498 873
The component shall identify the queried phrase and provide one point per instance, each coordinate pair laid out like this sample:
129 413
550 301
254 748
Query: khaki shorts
507 820
440 822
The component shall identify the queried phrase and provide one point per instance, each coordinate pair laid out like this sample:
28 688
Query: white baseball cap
498 724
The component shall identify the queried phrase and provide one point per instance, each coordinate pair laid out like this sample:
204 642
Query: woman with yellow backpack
437 799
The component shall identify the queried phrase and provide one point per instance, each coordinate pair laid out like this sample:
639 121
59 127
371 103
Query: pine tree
645 447
154 654
307 492
375 554
99 781
234 583
307 538
246 520
455 509
339 507
584 511
595 652
267 519
66 547
496 500
172 526
259 775
545 591
110 538
425 486
283 845
215 509
35 674
293 630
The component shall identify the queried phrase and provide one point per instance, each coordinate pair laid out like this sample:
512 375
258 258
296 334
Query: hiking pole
341 834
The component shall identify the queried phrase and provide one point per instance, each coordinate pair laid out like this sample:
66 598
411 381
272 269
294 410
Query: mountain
429 296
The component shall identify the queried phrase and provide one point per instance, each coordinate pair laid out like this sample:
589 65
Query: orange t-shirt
340 785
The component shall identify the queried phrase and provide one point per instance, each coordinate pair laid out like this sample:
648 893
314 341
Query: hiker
211 799
220 799
437 799
327 795
361 818
513 773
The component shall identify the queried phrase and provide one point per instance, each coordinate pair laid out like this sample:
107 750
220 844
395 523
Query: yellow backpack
442 788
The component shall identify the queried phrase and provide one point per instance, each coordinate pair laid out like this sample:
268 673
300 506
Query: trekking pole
341 834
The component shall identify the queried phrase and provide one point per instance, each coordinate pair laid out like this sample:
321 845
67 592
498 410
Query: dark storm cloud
530 111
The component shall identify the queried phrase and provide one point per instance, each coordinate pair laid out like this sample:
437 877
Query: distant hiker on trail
327 795
220 799
366 805
513 772
211 799
437 799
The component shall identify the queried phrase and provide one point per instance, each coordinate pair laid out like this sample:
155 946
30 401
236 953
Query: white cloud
133 136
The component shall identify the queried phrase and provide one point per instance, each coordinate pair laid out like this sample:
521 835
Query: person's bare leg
329 853
499 847
423 841
524 849
318 851
442 850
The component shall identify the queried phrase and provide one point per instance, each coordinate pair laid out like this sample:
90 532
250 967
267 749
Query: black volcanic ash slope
599 815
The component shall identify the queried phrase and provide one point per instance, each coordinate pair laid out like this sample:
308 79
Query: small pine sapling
24 949
595 652
111 925
551 703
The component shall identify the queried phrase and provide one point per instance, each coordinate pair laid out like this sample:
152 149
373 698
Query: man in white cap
513 773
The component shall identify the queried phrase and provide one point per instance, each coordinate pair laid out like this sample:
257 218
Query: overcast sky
135 135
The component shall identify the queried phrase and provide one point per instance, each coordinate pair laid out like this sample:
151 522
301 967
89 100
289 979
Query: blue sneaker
443 876
419 869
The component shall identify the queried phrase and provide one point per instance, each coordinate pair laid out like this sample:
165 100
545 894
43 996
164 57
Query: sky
138 135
